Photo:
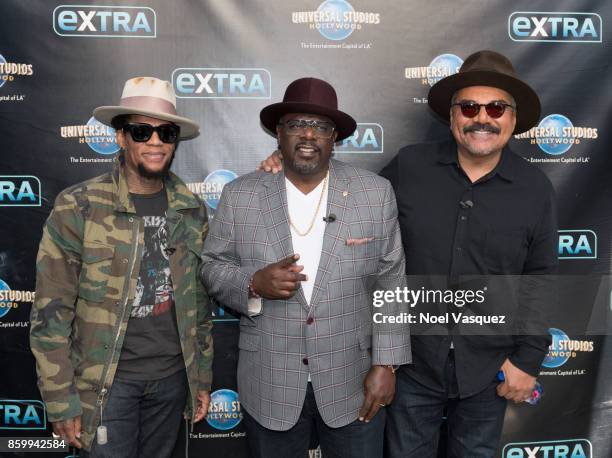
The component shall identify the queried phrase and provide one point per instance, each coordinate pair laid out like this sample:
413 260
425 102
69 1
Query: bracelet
391 368
252 293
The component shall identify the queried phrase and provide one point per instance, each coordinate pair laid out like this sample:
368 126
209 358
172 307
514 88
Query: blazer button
305 361
310 320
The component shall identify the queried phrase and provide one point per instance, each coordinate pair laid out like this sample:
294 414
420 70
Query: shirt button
463 217
124 260
310 320
131 220
459 249
305 361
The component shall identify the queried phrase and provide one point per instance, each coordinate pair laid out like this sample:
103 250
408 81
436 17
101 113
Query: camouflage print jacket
86 273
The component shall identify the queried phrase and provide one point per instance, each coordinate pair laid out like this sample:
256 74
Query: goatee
151 175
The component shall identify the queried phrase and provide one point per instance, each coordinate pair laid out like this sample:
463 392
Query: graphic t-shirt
151 348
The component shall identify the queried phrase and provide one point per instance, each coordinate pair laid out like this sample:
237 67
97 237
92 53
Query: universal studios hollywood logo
556 134
440 67
335 19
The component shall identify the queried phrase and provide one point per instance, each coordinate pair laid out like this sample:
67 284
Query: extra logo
556 134
561 27
222 83
10 70
440 67
20 191
563 348
224 410
570 448
22 414
99 137
336 20
10 298
105 21
367 138
210 189
577 244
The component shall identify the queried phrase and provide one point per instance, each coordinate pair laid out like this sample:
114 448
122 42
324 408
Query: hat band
154 104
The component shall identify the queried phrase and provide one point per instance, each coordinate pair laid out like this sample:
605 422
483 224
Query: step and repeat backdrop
227 60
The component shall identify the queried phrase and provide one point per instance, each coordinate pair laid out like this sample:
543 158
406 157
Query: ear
121 140
278 135
514 118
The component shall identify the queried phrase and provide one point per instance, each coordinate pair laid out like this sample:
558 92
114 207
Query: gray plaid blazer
278 348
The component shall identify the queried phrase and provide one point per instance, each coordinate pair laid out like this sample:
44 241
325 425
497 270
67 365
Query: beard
305 168
308 166
164 173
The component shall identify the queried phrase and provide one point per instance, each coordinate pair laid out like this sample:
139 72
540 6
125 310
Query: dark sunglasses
494 109
140 132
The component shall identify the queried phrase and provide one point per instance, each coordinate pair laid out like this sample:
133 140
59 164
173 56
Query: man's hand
518 385
202 408
273 163
279 280
69 430
379 389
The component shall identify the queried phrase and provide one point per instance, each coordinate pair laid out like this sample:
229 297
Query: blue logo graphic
336 28
367 138
557 26
224 410
446 65
222 83
105 21
213 186
577 244
5 305
556 356
22 414
20 191
2 61
557 134
568 448
103 141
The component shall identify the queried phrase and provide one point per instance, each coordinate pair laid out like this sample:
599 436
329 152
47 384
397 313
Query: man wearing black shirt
470 206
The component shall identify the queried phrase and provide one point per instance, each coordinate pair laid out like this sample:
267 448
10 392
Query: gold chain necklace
314 217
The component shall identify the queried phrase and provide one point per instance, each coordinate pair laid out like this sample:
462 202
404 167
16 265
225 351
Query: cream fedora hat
152 97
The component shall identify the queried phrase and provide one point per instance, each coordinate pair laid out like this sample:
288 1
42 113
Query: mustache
307 144
477 126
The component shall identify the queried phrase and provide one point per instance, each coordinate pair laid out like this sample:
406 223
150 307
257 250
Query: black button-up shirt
504 223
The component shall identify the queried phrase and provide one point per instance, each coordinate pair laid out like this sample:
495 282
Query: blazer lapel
273 201
338 203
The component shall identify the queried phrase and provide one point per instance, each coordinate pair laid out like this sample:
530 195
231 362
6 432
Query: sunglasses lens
495 109
469 109
141 132
168 133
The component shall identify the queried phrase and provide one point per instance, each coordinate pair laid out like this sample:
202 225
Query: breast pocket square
355 242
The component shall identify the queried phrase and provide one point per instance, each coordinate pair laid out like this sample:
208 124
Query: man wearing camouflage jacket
120 327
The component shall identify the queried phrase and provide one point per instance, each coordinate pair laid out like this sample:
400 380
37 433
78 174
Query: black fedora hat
309 96
488 68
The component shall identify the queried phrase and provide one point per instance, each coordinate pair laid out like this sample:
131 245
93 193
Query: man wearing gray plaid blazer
312 357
